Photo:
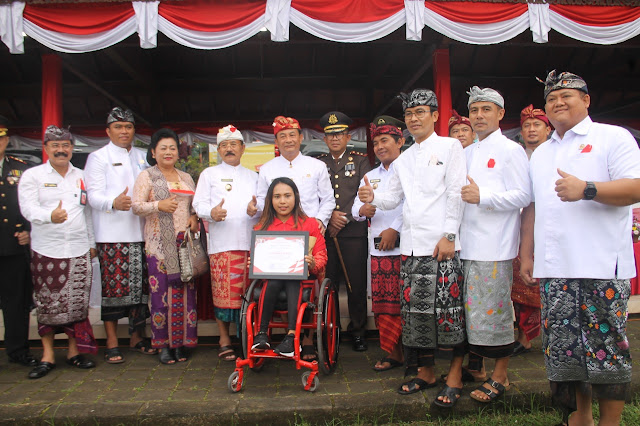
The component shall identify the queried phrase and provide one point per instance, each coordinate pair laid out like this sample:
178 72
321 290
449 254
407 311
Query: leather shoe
359 344
41 370
81 361
25 359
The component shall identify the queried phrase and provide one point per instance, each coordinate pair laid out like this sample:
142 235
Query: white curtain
11 26
539 22
415 19
147 20
276 19
596 35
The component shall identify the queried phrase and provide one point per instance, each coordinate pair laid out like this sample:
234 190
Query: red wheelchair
317 310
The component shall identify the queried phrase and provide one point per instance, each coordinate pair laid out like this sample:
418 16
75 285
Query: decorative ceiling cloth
200 24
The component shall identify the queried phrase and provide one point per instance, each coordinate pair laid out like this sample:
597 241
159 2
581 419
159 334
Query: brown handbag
194 261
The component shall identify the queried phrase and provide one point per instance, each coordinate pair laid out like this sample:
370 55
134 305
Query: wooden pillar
442 83
51 93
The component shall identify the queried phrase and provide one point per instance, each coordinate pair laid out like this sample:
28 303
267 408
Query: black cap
335 122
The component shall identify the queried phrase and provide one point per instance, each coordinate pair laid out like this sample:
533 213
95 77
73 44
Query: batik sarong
526 303
123 273
62 288
432 302
385 297
229 280
174 321
488 304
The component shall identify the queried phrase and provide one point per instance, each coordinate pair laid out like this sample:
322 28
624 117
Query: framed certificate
279 255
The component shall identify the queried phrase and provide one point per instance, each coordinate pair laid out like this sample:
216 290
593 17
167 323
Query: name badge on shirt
226 180
50 185
140 163
374 183
116 164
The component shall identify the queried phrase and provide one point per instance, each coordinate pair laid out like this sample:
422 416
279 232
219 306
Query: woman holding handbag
162 195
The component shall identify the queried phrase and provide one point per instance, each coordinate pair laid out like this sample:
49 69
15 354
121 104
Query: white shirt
383 219
109 171
429 176
583 239
40 191
490 230
233 233
310 176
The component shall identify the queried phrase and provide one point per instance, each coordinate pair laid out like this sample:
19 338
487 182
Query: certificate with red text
279 255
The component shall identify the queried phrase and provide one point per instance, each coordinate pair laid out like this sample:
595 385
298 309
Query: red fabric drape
477 13
635 284
222 15
78 19
442 79
51 94
598 16
348 11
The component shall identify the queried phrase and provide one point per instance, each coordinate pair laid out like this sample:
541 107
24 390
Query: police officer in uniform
15 280
346 237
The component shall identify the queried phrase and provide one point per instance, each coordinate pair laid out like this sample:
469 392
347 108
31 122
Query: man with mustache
15 284
226 198
111 173
53 198
584 179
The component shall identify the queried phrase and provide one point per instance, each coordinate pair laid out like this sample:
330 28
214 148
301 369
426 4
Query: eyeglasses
420 114
338 135
60 145
225 145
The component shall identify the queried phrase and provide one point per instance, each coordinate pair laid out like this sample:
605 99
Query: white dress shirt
429 176
490 230
583 239
233 233
310 176
40 191
109 171
383 219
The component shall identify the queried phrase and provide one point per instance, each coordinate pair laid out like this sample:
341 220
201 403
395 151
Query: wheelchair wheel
233 383
328 327
246 301
314 384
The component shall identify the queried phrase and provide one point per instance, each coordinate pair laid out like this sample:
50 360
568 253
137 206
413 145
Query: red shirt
310 225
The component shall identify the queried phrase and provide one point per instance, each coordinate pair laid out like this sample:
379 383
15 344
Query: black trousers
354 253
292 288
16 302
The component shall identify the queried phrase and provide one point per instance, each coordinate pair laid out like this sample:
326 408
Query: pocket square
491 164
586 149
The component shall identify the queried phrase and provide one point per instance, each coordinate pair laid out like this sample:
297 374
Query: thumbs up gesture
168 205
569 187
470 193
58 215
122 201
365 193
219 214
252 207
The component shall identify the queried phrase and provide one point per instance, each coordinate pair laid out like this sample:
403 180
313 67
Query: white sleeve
29 200
96 178
326 196
355 209
517 183
202 198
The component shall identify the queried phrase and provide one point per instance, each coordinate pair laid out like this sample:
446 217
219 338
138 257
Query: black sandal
308 350
167 356
491 394
453 394
415 385
181 354
144 347
111 353
80 361
392 364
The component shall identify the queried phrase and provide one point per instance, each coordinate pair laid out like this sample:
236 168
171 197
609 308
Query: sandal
467 377
415 385
81 361
453 394
144 347
392 364
182 354
491 394
519 349
166 356
227 353
111 356
310 352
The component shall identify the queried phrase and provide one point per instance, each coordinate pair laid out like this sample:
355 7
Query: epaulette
361 154
16 159
323 155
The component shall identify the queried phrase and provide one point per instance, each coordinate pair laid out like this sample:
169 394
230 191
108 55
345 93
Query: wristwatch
450 237
590 191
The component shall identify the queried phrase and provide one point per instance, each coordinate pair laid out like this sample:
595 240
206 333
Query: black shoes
261 342
41 370
286 347
359 344
80 361
25 359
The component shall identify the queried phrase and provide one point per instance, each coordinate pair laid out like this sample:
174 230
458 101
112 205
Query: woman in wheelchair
282 212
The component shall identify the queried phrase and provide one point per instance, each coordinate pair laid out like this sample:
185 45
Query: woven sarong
61 288
80 330
520 292
229 278
432 302
124 276
385 284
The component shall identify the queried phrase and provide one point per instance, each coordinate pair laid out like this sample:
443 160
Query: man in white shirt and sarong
226 198
428 176
53 198
499 186
584 179
111 173
384 242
